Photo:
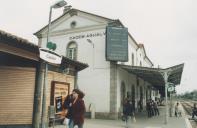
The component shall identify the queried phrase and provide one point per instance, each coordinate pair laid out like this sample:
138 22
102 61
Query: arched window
72 50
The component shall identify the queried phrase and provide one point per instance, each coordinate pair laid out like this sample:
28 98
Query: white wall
66 25
131 49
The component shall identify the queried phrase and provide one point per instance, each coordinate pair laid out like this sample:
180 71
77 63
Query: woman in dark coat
78 108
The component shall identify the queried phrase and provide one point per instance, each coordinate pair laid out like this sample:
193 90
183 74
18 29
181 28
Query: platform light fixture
52 46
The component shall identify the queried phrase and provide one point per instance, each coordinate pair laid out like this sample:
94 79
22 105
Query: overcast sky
167 28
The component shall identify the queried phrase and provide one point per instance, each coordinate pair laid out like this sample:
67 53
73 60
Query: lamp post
58 4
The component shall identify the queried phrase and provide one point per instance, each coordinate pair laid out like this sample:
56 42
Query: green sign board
117 44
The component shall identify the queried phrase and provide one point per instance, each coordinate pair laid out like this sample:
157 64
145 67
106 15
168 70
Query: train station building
82 36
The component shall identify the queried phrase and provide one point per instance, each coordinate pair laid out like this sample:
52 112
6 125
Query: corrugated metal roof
154 75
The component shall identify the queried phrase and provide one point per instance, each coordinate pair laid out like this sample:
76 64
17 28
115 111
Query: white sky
167 28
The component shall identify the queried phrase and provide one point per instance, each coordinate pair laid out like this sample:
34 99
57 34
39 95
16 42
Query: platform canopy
154 75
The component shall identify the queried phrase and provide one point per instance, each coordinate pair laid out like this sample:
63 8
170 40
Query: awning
154 75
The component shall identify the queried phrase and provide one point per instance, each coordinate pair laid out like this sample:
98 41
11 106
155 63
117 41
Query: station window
72 50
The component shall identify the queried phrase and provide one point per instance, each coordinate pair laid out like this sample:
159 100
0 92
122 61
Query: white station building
81 36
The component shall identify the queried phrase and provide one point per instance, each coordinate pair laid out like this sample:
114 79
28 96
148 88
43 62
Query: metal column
37 96
165 74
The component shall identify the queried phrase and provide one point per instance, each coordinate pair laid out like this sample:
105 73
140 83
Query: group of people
74 109
152 108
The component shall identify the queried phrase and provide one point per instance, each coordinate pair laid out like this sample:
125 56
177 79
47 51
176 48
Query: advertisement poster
59 92
58 104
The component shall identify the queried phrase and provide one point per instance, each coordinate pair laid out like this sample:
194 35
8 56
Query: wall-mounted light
90 41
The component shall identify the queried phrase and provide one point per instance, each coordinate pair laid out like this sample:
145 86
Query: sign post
171 89
50 56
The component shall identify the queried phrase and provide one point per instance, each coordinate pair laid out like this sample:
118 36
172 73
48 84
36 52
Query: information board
117 44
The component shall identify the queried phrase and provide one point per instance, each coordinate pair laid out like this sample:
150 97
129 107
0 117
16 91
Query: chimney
67 8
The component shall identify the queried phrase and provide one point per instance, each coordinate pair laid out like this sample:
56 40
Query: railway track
188 109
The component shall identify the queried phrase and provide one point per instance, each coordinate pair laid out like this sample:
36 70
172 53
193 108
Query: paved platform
142 121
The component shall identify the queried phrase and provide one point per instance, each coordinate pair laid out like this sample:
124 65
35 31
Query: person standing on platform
155 106
152 112
177 110
128 112
148 108
194 111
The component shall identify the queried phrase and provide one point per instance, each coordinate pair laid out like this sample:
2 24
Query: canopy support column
166 74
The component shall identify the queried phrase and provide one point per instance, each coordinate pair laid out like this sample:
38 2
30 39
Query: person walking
127 112
78 109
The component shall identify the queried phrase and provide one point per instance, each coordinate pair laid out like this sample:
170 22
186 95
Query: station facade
81 36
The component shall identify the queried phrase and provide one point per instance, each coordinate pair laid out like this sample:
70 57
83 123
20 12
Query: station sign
50 56
171 89
116 44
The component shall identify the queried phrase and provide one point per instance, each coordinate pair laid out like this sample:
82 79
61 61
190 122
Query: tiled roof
18 42
19 39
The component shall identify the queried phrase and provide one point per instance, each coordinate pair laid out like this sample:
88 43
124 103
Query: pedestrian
78 109
140 107
148 107
194 111
128 112
152 108
177 110
68 110
156 110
